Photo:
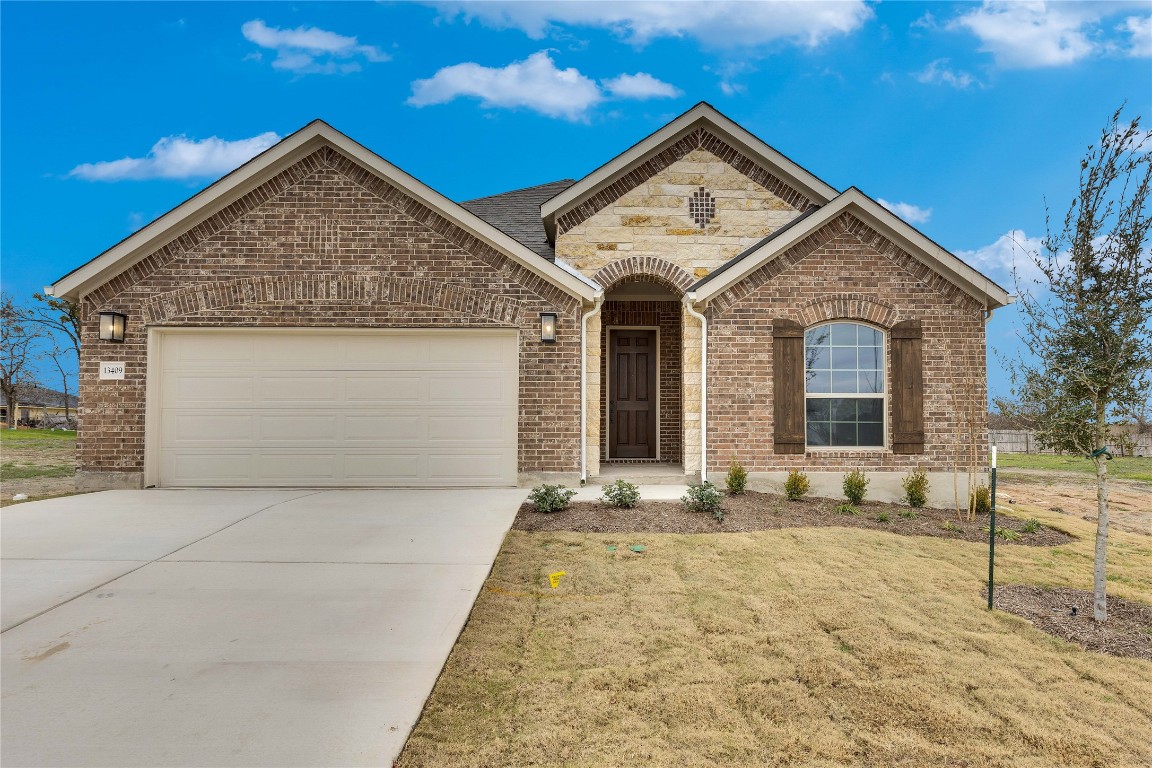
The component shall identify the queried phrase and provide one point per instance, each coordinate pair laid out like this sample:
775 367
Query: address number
111 370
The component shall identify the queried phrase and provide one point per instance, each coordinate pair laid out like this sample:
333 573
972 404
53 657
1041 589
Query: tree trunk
1099 577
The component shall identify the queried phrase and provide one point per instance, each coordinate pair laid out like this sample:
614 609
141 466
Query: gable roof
266 165
517 214
703 115
884 221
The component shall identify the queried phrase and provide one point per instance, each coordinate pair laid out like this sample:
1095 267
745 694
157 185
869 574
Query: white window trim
883 396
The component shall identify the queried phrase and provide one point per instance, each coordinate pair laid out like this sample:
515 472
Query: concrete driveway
234 628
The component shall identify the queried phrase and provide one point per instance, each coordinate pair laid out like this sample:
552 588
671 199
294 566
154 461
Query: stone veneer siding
664 315
327 243
845 270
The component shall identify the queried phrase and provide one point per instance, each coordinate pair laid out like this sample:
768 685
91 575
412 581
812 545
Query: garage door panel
337 408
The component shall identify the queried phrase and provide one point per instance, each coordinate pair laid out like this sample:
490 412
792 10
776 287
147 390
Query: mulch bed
754 511
1067 614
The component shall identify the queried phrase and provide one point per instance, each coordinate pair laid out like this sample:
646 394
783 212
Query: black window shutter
788 386
907 349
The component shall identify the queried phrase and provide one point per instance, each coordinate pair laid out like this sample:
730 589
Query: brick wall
845 270
326 243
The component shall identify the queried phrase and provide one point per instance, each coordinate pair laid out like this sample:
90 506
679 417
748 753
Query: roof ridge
570 182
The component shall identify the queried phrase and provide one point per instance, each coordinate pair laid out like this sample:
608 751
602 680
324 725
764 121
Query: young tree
61 318
1087 324
18 340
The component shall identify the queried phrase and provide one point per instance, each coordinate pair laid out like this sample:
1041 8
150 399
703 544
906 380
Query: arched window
844 392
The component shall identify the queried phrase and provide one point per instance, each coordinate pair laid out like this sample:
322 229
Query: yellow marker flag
554 578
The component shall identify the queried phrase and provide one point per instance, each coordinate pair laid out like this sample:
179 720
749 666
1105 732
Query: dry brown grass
814 647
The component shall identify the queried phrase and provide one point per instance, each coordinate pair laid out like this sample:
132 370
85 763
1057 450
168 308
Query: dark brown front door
632 394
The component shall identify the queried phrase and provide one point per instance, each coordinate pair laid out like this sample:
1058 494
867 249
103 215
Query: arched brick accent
848 306
357 289
644 268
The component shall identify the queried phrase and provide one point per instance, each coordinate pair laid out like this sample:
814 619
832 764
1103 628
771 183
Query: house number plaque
111 370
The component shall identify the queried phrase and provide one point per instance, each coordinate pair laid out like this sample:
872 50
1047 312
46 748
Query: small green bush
916 488
1006 533
737 478
705 498
910 514
950 526
1032 525
855 486
551 498
981 500
847 509
797 485
882 517
622 494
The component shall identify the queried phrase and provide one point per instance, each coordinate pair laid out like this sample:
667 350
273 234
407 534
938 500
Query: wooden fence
1024 441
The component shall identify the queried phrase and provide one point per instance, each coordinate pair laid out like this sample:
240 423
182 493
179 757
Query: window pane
870 409
871 382
843 334
871 434
871 357
844 433
842 381
818 409
816 337
817 357
843 409
870 336
844 358
817 433
819 381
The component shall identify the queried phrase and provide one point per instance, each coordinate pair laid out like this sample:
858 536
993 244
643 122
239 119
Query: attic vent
701 207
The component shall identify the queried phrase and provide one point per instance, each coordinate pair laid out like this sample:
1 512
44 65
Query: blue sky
963 117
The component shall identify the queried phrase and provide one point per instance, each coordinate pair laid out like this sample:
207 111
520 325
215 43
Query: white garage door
335 408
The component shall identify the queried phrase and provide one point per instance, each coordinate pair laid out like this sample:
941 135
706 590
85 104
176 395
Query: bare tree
1087 324
61 318
18 340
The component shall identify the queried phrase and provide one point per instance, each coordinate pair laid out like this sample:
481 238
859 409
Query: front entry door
632 394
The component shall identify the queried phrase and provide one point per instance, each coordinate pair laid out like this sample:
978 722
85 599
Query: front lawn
39 463
1122 467
803 646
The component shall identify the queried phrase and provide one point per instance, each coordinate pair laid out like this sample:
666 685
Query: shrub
883 517
910 514
1005 533
704 498
737 478
981 500
847 509
916 488
1032 525
797 485
855 486
551 498
950 526
621 494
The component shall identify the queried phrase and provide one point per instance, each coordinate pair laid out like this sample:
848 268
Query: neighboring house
36 404
319 317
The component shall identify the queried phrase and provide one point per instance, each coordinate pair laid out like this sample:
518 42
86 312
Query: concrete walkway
234 628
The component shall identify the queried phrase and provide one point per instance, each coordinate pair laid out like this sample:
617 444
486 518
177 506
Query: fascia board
221 194
730 131
888 224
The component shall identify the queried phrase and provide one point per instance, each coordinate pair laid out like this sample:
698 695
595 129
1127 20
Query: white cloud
1049 34
640 86
178 157
535 83
913 214
310 50
938 73
1013 250
1140 28
714 23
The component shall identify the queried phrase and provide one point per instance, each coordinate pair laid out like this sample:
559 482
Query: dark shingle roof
517 214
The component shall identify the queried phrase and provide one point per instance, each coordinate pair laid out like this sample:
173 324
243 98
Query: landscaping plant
705 498
1031 525
981 500
855 486
847 509
551 498
622 494
916 488
797 485
883 517
737 478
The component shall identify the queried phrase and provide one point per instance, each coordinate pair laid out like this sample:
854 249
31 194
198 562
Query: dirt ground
30 456
1074 494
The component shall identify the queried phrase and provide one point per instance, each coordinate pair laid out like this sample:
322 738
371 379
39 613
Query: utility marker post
992 531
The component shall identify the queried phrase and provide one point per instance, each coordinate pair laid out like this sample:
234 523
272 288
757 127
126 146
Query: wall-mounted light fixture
548 327
112 326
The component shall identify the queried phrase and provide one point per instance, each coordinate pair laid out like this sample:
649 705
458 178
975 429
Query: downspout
584 384
689 300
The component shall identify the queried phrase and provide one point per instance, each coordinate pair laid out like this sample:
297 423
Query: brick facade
326 243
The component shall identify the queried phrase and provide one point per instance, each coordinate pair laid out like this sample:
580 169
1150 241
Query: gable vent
702 207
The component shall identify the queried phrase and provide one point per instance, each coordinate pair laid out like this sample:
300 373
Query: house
37 405
318 317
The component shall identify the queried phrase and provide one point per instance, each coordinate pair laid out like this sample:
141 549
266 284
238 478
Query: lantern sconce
112 326
548 327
